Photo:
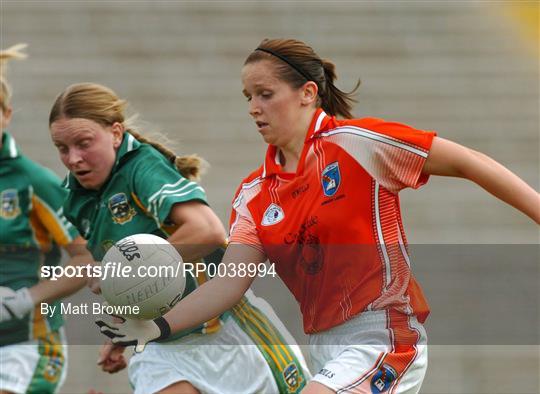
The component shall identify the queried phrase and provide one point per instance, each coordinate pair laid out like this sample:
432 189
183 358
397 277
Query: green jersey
137 198
32 226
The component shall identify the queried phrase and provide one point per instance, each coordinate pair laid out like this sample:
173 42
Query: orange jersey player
344 165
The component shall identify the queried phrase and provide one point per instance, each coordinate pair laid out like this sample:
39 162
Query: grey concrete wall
461 68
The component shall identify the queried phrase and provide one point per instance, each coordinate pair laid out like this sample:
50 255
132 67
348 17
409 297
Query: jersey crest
330 179
53 370
292 377
10 204
273 214
120 209
383 378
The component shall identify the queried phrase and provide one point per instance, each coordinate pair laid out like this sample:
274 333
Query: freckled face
87 149
274 104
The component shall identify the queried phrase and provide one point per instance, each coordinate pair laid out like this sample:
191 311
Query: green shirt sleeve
47 201
159 186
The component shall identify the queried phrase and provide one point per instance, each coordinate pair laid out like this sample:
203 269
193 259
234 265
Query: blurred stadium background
467 69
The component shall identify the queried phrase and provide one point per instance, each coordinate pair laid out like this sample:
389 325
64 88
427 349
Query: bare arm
200 231
217 295
447 158
48 290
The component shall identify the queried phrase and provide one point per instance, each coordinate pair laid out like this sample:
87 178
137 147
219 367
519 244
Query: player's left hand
14 304
135 332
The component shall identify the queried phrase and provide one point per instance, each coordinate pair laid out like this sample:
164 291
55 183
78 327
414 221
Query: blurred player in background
121 183
324 207
32 346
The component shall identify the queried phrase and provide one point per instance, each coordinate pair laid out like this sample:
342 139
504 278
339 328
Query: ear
309 93
117 130
6 117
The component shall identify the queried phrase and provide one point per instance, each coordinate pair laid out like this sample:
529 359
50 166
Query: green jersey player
121 184
32 229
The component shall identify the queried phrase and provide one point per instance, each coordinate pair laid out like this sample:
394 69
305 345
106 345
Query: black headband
305 74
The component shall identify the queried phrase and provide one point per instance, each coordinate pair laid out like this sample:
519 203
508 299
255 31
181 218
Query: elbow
218 235
215 233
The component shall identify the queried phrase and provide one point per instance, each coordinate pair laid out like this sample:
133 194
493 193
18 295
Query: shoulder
249 184
253 179
376 125
376 130
148 159
35 172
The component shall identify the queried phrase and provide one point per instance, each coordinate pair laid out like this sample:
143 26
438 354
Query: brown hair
13 52
300 60
101 105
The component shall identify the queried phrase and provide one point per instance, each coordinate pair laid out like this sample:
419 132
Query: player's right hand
111 357
14 304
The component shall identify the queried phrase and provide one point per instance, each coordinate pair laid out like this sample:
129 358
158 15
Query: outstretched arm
206 302
17 304
447 158
217 295
47 290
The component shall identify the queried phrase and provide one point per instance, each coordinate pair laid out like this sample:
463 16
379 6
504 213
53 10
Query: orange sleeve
243 231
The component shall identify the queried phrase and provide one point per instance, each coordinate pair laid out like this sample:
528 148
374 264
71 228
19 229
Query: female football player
32 345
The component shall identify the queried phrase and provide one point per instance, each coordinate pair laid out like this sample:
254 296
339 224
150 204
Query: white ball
149 285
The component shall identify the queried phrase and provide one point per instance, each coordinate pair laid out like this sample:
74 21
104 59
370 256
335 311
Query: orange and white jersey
333 229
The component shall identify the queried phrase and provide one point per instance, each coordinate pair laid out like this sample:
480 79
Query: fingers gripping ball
154 281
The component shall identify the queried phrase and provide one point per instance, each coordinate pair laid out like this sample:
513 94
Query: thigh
372 368
220 363
227 362
262 328
179 388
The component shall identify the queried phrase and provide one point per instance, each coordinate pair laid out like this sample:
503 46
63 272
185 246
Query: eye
84 143
62 149
266 95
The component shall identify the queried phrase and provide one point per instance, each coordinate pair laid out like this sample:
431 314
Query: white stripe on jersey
131 139
388 272
245 186
12 148
375 136
156 204
318 123
167 185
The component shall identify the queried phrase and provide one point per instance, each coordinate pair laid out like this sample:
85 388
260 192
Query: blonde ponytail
13 52
190 166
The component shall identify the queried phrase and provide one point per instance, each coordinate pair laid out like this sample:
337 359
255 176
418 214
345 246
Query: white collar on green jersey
9 148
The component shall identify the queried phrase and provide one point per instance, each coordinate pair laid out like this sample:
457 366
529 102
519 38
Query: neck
290 152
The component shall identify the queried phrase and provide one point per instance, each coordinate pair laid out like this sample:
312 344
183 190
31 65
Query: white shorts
375 352
229 361
37 366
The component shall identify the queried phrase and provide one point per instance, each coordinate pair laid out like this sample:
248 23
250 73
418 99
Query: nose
73 157
254 107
